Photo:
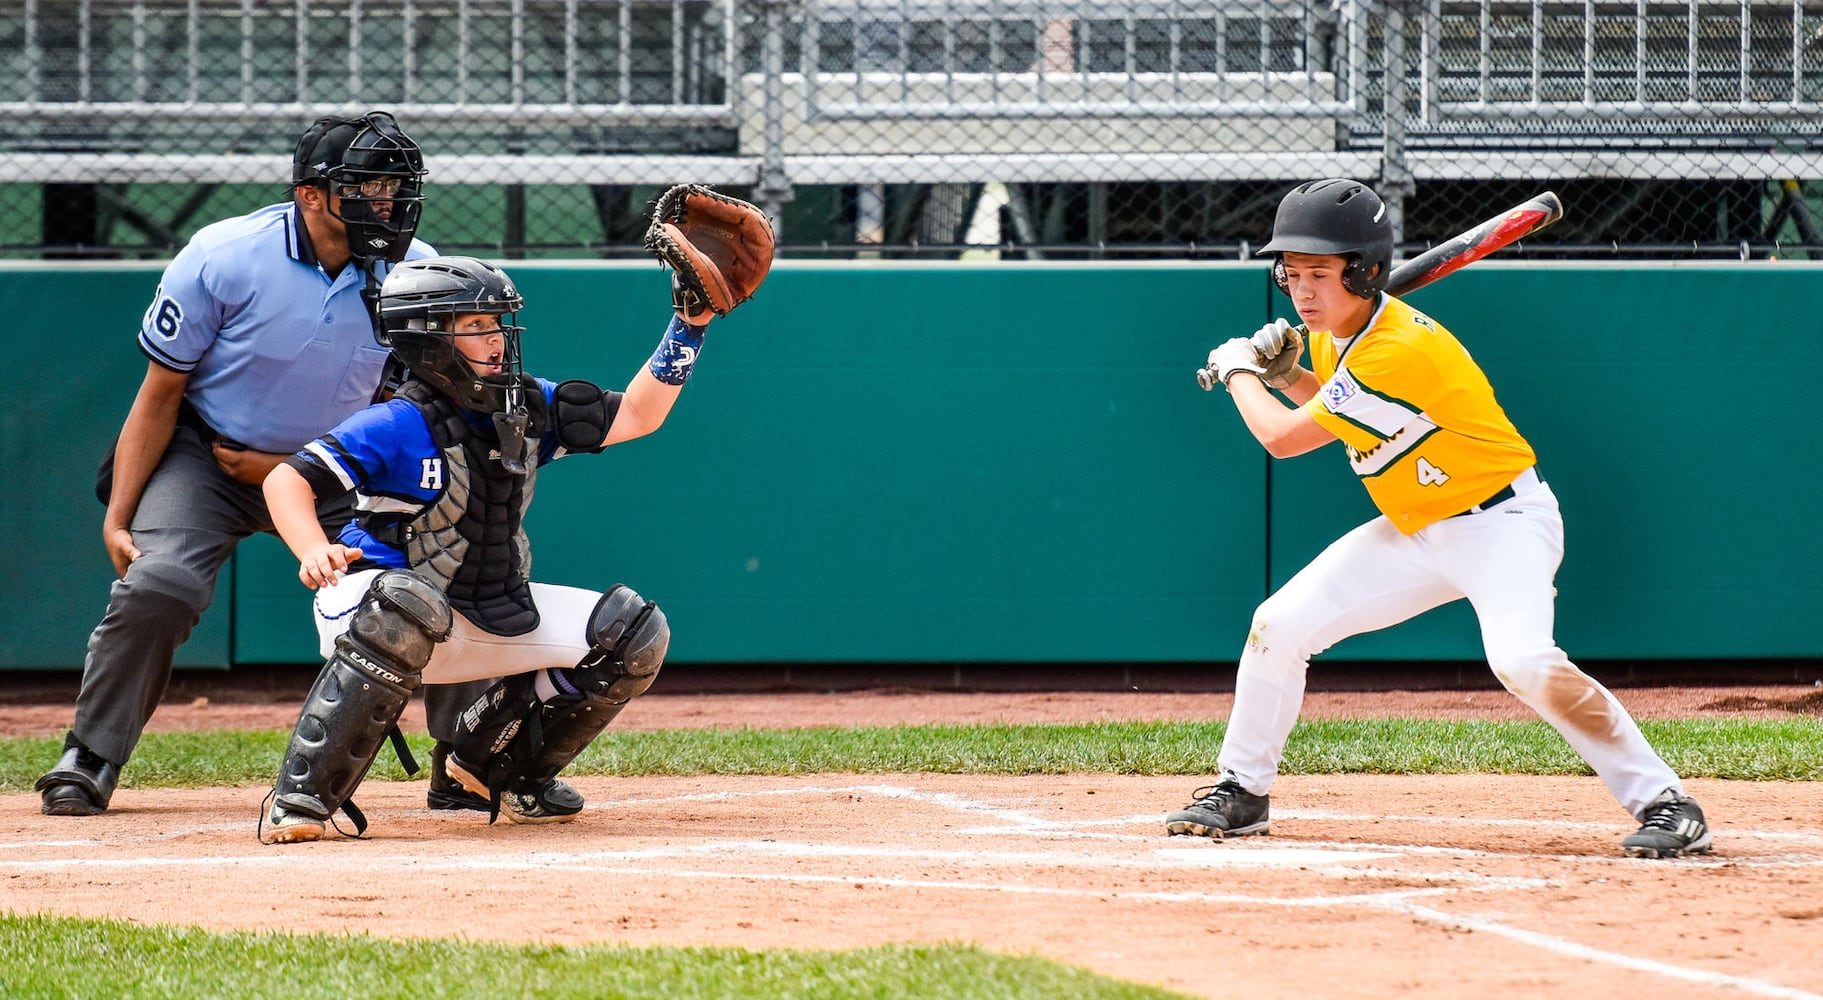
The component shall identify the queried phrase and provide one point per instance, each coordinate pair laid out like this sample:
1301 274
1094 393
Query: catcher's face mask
425 308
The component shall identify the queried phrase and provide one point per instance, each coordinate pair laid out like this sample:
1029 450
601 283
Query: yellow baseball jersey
1417 415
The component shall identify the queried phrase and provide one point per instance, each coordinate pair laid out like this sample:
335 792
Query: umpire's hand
243 464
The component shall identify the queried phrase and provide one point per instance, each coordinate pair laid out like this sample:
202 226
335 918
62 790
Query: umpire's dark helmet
376 170
1340 217
419 302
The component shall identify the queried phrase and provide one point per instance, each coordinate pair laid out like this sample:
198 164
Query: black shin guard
359 695
344 721
495 735
570 724
630 636
509 737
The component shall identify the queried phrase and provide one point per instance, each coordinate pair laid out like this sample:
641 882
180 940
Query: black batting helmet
419 302
378 173
1340 217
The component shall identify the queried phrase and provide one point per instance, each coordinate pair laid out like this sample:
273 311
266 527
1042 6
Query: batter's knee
1278 633
1530 673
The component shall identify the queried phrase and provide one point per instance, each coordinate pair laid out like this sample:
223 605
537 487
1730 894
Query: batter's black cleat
81 784
1671 827
553 801
1222 810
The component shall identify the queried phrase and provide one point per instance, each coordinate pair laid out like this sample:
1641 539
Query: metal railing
927 123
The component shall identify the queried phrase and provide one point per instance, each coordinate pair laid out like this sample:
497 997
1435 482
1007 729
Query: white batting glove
1237 355
1270 339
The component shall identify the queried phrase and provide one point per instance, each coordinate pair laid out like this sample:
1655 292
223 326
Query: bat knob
1205 378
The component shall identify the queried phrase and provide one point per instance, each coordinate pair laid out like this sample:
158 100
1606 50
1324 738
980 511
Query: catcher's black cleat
553 801
81 784
282 826
1222 810
1672 826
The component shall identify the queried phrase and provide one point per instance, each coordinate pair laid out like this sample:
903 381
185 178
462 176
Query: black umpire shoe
81 784
1222 810
552 802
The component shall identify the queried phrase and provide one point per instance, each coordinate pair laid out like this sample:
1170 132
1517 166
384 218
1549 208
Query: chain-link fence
1009 128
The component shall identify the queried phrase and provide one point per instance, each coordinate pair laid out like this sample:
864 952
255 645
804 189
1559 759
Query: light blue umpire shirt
277 351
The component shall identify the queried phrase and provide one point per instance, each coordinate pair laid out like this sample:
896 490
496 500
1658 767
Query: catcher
428 583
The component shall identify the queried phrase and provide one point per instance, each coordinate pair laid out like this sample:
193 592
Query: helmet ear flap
1363 278
1278 275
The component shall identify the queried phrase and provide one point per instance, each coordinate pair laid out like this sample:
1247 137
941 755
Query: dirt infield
1508 886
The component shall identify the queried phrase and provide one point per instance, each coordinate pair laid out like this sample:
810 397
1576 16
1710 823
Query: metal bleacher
780 95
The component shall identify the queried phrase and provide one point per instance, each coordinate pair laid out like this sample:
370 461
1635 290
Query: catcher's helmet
376 170
419 302
1341 217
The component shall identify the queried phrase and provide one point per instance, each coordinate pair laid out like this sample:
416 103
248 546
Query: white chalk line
1793 837
1563 946
1401 901
1347 864
1027 823
1024 823
1023 819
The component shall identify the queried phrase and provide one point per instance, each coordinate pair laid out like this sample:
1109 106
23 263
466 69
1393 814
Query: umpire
259 338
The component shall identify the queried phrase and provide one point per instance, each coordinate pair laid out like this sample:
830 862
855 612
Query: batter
1463 514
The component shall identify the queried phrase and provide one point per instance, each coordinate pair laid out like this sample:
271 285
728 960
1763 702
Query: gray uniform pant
190 518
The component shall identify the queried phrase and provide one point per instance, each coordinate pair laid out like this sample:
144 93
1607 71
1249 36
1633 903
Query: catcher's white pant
1503 560
560 640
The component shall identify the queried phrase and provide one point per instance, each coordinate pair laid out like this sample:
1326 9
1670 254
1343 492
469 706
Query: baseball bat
1460 251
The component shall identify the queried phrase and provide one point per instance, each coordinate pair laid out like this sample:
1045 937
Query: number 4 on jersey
1430 475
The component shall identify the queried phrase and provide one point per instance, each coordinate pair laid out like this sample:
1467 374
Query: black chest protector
471 542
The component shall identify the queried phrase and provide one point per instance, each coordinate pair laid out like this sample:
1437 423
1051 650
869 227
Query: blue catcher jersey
275 348
385 454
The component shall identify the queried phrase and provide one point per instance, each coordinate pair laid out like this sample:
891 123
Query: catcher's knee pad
628 638
401 619
496 728
361 692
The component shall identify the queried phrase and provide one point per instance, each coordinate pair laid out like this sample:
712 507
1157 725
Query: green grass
62 957
1756 750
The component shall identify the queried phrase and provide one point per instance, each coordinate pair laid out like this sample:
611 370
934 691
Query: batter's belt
1526 480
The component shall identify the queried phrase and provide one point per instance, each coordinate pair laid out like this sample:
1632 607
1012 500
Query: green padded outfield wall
75 367
1012 462
893 463
1665 404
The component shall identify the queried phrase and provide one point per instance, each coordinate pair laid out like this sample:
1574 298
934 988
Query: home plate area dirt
1368 886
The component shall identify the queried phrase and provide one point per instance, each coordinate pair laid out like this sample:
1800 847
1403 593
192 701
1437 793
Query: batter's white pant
560 640
1504 560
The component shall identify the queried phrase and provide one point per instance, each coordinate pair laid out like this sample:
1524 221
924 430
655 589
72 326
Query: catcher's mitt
718 248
